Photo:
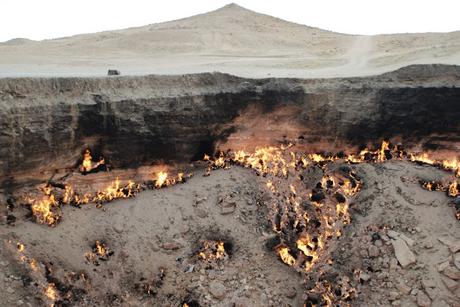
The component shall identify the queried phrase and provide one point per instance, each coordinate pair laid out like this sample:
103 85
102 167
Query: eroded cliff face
47 123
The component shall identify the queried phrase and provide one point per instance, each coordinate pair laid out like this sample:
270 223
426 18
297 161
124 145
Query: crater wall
47 123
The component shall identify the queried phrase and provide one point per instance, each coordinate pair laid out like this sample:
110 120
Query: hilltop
231 39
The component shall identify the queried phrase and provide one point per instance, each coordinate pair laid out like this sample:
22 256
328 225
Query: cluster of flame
282 169
56 287
271 160
87 164
451 188
48 289
213 251
305 222
306 219
100 251
46 209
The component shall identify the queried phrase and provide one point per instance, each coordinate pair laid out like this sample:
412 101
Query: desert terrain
239 160
231 40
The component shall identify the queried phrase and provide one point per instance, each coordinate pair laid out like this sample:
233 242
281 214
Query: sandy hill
231 39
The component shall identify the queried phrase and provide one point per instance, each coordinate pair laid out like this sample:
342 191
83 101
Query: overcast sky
41 19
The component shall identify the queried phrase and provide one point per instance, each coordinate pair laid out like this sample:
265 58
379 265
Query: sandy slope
233 40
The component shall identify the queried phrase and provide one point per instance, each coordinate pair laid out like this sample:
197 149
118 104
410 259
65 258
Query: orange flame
161 179
423 158
51 292
307 247
453 189
381 153
87 163
286 257
213 251
100 248
43 210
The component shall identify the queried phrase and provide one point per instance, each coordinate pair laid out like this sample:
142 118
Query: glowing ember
271 160
450 165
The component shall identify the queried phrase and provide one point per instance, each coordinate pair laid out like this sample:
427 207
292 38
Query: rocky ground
163 230
400 249
403 240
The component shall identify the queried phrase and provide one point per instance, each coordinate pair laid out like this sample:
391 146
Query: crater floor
156 238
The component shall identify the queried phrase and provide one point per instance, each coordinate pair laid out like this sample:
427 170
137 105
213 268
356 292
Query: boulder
171 245
217 290
403 253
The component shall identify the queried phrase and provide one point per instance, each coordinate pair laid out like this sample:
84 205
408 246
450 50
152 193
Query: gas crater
215 190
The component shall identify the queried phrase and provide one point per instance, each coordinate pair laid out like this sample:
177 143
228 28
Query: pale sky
42 19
